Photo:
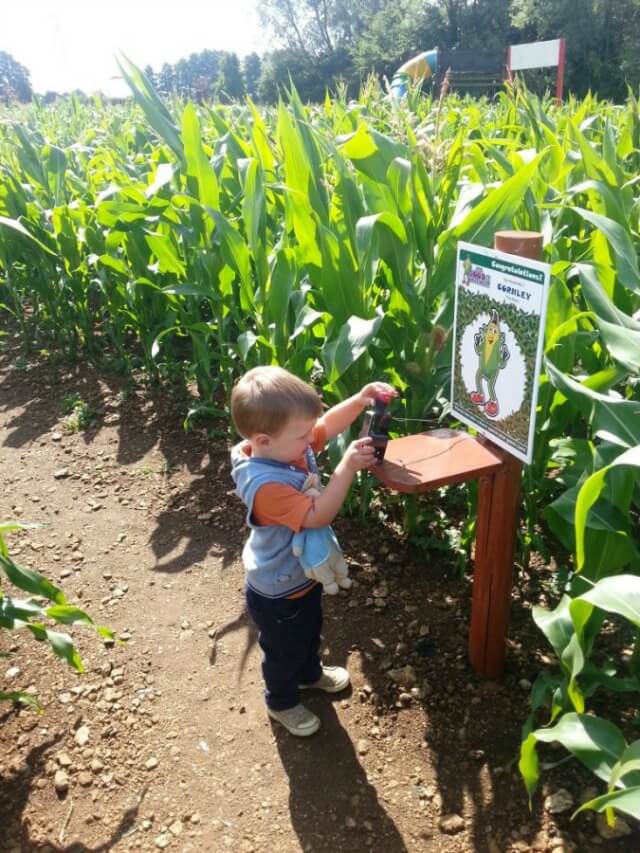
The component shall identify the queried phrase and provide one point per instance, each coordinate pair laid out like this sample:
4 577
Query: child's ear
262 440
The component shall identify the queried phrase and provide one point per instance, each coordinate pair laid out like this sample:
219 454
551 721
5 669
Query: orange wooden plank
417 463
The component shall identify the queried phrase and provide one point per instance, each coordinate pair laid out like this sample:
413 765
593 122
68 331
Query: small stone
56 436
27 723
404 676
151 763
559 802
451 824
63 759
96 765
13 672
620 828
176 827
195 818
61 473
363 747
525 684
350 822
85 779
162 841
61 783
82 736
588 793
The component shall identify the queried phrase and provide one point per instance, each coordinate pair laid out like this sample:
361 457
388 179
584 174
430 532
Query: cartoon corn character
466 266
493 354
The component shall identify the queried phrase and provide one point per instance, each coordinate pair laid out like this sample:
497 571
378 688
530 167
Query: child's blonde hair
265 398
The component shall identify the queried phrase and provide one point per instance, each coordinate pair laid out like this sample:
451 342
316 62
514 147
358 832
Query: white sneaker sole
337 688
309 730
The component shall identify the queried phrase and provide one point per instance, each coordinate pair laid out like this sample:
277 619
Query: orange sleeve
278 503
319 436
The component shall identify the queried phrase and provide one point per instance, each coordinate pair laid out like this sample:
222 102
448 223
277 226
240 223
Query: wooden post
560 71
498 505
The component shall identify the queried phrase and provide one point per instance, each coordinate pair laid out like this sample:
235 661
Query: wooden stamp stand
418 463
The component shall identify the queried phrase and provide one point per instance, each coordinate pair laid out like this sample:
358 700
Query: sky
70 44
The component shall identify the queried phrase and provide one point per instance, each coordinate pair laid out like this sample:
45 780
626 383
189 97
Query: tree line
320 44
325 41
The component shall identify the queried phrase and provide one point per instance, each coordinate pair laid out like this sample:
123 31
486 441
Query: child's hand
359 455
376 390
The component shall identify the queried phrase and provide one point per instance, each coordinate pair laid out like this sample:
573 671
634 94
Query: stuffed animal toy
318 549
321 558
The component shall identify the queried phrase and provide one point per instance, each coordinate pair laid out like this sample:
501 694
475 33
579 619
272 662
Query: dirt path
163 742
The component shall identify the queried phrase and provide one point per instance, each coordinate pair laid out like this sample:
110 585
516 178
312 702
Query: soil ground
163 741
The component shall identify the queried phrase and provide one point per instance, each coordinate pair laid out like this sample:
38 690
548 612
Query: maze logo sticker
474 275
500 311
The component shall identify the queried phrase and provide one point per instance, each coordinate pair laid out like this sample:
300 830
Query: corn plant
194 242
46 604
572 630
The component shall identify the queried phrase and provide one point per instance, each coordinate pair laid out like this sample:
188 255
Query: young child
280 418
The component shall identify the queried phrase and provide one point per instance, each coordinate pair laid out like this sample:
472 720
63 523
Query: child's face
289 444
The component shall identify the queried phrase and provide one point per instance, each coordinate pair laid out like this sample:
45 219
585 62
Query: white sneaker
333 680
297 720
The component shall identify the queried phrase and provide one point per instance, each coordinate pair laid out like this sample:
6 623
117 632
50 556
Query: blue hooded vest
271 567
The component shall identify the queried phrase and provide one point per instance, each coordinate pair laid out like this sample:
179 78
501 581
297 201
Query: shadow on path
332 804
14 796
139 420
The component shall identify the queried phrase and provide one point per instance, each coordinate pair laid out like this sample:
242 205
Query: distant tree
209 65
278 69
394 34
166 79
153 77
15 83
251 69
230 84
312 80
318 27
182 78
205 69
629 54
331 40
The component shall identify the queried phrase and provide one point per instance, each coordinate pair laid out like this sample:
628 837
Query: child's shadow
332 804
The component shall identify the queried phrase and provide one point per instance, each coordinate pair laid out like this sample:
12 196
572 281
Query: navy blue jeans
289 636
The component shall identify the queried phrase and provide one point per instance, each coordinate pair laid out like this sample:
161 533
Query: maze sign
500 309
